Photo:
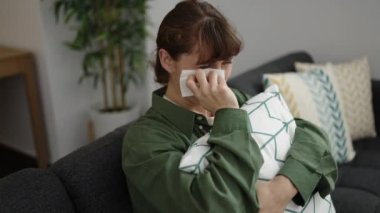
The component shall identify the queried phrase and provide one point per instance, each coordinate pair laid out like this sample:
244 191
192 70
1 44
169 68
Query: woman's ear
167 62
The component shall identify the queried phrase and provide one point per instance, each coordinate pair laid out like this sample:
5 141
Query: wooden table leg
35 110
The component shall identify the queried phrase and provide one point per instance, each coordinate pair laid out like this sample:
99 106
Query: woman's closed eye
204 66
214 65
227 62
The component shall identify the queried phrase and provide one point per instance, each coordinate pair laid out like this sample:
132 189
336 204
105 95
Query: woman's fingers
213 80
200 76
221 80
192 84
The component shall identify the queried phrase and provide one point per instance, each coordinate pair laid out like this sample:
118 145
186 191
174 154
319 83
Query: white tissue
185 91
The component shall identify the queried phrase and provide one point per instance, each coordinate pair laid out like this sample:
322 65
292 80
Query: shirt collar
182 118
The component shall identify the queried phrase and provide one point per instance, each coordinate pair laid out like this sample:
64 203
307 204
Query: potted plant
112 35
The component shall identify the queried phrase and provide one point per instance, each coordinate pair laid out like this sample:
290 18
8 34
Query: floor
12 161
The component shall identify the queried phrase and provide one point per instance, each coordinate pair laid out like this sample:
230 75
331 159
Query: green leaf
72 45
57 9
69 15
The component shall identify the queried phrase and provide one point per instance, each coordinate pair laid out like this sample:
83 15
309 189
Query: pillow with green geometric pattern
272 128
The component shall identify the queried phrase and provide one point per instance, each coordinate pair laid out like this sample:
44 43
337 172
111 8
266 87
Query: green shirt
154 145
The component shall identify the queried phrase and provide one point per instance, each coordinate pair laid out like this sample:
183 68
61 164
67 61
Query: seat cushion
367 153
93 175
357 189
351 200
361 178
33 190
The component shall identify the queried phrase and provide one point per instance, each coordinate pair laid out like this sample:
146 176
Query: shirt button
199 118
200 127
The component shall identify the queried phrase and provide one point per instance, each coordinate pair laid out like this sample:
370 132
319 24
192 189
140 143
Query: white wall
331 30
337 30
70 100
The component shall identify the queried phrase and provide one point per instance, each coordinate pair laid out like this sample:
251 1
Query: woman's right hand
212 91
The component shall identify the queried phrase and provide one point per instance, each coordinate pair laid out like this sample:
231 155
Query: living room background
335 31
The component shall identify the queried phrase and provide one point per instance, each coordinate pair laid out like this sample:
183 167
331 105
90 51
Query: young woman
194 35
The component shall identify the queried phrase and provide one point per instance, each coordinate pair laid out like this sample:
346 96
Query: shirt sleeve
151 158
310 165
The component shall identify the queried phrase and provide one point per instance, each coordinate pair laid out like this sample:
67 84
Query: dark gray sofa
91 179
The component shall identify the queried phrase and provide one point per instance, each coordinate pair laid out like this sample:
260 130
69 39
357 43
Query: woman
194 35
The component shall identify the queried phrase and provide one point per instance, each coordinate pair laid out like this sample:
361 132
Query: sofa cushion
368 144
352 200
312 96
367 159
357 189
33 190
353 83
365 179
367 153
93 175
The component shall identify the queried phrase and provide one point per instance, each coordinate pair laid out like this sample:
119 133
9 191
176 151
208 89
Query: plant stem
104 84
122 76
103 59
113 64
112 61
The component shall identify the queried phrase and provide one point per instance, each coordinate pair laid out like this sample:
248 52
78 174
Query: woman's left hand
275 195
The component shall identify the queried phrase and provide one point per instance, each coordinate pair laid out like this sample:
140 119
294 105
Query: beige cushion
353 83
312 96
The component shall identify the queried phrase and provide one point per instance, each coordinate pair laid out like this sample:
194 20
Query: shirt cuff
302 178
229 119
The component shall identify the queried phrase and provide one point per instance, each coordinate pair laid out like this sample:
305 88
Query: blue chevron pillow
312 96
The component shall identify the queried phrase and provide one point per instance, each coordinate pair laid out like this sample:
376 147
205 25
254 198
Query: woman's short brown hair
191 26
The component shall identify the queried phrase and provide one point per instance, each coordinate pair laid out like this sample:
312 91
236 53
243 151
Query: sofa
91 179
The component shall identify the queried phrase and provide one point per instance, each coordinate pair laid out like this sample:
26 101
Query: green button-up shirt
154 145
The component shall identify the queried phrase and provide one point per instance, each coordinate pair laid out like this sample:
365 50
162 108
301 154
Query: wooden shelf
18 62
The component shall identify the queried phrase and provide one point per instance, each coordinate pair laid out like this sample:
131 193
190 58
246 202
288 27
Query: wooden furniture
18 62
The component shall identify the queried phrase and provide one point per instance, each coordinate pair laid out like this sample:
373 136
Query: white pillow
273 130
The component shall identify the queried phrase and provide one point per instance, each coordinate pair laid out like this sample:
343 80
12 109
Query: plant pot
105 122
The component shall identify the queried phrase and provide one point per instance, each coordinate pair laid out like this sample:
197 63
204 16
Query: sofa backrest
251 80
93 175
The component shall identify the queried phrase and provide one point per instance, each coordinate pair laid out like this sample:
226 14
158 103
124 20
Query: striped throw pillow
312 96
353 83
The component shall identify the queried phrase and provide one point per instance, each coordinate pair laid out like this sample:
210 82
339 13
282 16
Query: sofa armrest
33 190
376 103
